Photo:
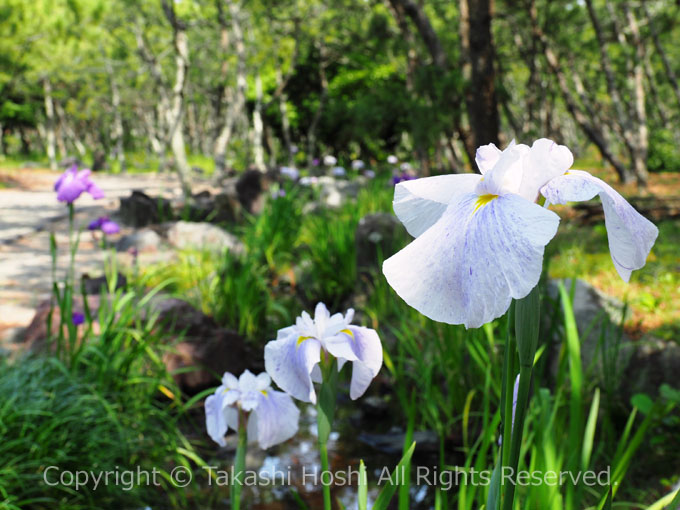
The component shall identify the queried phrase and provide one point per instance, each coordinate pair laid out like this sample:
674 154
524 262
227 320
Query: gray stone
654 362
143 240
140 210
185 234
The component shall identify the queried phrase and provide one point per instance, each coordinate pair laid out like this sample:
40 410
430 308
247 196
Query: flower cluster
292 361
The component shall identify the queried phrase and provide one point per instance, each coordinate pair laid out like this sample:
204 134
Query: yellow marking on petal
302 339
482 200
347 332
264 392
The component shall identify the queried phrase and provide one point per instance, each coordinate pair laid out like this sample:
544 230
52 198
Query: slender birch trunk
258 127
50 137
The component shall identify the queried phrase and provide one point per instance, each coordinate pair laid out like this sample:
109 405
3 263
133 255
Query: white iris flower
272 416
480 238
293 358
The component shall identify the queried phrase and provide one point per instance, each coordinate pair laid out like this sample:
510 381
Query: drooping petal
276 418
368 349
631 235
290 361
231 418
545 160
340 346
94 190
109 227
483 252
215 419
486 157
420 203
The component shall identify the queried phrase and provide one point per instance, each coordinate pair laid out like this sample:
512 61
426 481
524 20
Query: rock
144 240
139 209
378 235
226 208
250 188
35 336
202 344
606 351
185 234
654 362
334 192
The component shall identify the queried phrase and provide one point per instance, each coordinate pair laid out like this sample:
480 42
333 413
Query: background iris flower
272 416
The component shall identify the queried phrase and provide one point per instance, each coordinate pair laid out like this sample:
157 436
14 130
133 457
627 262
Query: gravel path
29 212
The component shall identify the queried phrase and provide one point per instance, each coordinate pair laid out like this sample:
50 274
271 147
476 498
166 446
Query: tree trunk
323 81
50 137
258 127
175 114
588 124
237 103
478 70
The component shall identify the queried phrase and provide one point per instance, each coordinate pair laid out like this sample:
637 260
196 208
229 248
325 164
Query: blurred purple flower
357 164
338 171
104 224
369 173
402 177
290 171
77 318
405 167
392 159
315 162
294 149
72 183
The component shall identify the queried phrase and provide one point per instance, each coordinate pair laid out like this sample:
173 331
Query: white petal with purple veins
420 203
277 418
215 419
290 361
483 252
631 235
368 350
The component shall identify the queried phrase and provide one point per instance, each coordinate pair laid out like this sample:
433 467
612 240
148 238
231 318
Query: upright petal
545 160
230 381
290 361
214 419
486 157
474 260
631 235
264 381
506 175
420 203
368 350
277 418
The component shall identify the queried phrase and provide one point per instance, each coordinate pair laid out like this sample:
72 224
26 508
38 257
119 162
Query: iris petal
631 235
368 350
214 419
486 157
420 203
546 160
277 418
467 267
290 361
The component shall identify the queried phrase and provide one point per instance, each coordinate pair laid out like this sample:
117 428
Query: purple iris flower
104 224
315 162
77 318
403 177
72 183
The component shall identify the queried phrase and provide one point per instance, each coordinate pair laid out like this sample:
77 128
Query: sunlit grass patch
583 252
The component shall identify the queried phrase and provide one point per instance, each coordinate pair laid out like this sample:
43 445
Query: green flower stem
526 314
240 461
325 413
